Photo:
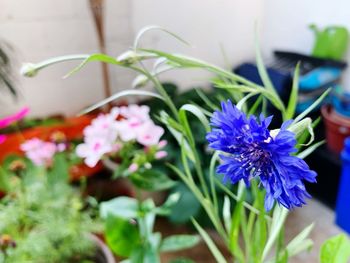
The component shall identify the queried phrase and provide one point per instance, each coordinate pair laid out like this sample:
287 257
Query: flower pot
103 253
337 128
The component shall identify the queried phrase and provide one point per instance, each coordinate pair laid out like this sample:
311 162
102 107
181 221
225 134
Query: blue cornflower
252 150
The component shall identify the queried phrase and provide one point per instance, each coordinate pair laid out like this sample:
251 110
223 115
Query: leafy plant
254 218
129 229
336 250
44 217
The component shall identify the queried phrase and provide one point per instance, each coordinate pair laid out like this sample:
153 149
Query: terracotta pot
337 128
103 254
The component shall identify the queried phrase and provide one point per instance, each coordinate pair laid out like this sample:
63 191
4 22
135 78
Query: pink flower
136 112
61 147
38 151
149 134
2 138
103 126
162 144
135 117
13 118
128 129
133 167
93 150
161 154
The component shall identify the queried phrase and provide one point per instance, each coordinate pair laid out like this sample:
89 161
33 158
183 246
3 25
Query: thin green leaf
236 221
226 213
310 150
212 175
178 60
233 196
210 243
30 69
155 27
206 100
261 67
260 226
119 95
242 102
94 57
312 106
300 242
198 113
293 98
278 219
255 106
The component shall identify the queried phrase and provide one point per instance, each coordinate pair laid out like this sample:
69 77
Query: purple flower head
252 150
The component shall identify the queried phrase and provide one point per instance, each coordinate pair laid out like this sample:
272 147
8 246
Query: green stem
30 69
211 179
208 207
232 195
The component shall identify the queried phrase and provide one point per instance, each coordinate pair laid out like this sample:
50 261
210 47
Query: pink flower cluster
41 152
108 132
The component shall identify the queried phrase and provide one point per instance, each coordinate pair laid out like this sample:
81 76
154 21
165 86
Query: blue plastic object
318 77
343 200
341 101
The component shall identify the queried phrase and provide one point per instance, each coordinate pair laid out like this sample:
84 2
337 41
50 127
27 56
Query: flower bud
29 70
17 166
58 137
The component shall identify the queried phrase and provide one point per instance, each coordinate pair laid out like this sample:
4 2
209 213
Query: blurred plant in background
42 217
137 218
6 76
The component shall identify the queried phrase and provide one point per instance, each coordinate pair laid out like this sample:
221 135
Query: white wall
286 23
40 29
208 25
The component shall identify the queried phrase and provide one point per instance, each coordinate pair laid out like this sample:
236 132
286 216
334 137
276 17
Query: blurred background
39 29
223 32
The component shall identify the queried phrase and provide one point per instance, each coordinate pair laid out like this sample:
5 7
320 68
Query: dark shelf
328 167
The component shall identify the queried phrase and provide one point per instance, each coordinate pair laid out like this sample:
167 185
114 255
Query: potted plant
265 163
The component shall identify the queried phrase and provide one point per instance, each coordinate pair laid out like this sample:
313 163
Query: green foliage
336 250
178 242
152 180
46 219
123 207
129 229
187 207
247 231
122 235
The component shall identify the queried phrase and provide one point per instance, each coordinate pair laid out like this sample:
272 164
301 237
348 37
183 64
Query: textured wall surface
39 29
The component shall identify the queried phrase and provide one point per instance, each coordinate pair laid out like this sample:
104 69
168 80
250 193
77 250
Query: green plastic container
331 42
